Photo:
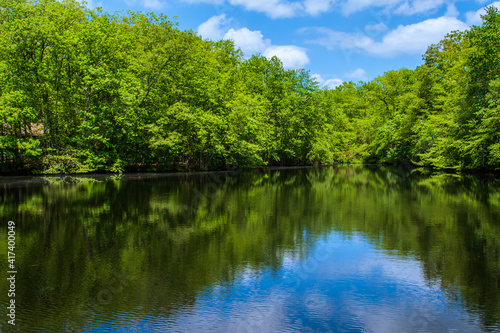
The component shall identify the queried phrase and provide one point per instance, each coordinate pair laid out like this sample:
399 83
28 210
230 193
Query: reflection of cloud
354 287
248 313
290 259
249 276
405 314
384 318
404 271
319 306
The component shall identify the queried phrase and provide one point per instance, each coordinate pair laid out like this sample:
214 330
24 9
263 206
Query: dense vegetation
82 91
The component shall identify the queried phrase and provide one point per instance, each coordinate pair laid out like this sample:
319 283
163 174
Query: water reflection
345 249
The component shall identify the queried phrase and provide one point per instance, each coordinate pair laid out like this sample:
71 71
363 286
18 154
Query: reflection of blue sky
344 285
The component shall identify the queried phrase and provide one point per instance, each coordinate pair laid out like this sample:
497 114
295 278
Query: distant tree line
83 91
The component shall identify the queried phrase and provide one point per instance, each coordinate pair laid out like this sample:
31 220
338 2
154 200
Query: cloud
375 28
352 6
213 27
357 74
401 7
415 38
331 83
252 42
332 39
452 10
213 2
405 39
474 18
418 6
277 8
153 4
292 56
148 4
272 8
293 8
316 7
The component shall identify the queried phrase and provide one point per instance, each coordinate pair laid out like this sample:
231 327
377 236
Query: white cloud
316 7
248 41
213 2
292 56
415 38
277 8
252 41
405 39
293 8
399 7
153 4
331 83
374 28
148 4
332 39
353 6
272 8
357 74
213 27
474 18
317 78
418 6
452 10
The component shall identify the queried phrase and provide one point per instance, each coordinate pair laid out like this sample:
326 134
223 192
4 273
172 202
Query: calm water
347 249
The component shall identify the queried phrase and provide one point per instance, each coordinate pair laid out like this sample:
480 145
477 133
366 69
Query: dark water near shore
343 249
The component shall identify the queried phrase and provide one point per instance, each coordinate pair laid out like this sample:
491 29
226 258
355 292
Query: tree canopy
83 91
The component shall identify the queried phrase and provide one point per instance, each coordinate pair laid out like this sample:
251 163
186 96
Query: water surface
342 249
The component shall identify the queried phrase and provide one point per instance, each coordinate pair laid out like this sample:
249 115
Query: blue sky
335 40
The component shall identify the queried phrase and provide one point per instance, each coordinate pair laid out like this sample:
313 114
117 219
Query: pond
332 249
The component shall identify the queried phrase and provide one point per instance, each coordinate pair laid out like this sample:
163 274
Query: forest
87 91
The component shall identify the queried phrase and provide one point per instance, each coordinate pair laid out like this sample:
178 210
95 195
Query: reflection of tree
172 236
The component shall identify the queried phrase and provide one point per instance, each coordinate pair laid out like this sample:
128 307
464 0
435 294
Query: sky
335 40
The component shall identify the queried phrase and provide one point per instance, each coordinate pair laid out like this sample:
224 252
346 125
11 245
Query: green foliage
82 90
69 161
87 91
